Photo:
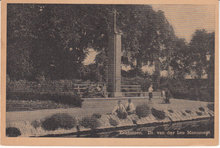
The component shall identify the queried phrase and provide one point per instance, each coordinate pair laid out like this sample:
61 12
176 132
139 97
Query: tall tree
201 57
57 37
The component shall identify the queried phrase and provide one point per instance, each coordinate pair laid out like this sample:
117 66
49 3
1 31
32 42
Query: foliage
73 100
201 109
200 61
113 122
90 122
96 115
40 41
202 43
12 132
210 106
122 115
199 113
158 114
188 111
185 89
59 120
170 110
39 37
142 110
94 91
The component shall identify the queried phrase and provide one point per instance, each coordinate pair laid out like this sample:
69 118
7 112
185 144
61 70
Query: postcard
109 73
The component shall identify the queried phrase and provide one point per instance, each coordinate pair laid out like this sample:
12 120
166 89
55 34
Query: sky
185 19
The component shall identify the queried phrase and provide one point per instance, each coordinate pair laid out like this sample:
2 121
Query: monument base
115 94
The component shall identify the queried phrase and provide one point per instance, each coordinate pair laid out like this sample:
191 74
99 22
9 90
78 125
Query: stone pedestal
114 65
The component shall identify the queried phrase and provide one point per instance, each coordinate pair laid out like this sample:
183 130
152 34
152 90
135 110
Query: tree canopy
53 40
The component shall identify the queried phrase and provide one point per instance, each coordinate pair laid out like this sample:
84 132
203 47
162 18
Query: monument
114 61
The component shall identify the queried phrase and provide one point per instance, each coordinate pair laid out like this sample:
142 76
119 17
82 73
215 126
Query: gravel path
102 106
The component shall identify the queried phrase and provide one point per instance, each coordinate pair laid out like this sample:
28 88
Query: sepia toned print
120 71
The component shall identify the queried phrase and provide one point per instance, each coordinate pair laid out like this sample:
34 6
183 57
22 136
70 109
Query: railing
140 94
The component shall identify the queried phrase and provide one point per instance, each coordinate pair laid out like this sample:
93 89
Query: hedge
73 100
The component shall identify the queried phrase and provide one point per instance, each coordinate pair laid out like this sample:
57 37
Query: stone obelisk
114 61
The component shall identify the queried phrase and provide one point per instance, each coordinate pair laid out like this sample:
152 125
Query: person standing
163 95
150 91
167 94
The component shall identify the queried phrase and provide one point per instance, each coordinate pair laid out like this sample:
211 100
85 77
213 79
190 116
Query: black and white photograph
110 70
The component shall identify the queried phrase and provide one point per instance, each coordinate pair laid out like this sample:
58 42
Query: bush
188 111
158 114
113 122
60 120
201 109
184 89
73 100
142 110
170 110
12 132
96 115
90 122
199 113
210 106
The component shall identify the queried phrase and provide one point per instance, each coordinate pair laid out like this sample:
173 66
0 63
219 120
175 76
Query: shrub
60 120
199 113
90 122
158 114
113 122
188 111
201 109
36 124
96 115
170 110
142 110
210 106
12 132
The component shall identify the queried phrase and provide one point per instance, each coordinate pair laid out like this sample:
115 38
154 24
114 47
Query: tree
201 57
178 61
53 40
20 34
200 46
